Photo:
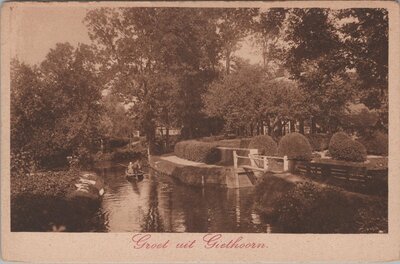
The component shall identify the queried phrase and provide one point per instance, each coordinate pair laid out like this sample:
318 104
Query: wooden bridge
258 163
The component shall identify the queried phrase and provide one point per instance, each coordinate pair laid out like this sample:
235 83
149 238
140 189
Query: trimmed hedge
265 145
377 144
319 142
228 143
335 144
198 151
295 146
212 138
342 147
244 142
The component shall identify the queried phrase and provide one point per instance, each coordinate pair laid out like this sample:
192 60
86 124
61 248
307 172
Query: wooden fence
348 175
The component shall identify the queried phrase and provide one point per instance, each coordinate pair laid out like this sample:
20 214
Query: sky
38 29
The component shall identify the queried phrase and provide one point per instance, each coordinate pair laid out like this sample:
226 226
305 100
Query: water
157 203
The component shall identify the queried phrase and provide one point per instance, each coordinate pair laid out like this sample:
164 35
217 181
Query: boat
138 175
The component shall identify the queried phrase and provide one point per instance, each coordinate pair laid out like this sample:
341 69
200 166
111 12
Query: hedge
342 147
245 142
319 142
376 144
198 151
335 145
265 145
295 146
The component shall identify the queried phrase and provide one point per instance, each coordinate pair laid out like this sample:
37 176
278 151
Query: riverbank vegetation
306 207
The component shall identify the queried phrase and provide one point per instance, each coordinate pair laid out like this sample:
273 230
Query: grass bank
50 201
51 183
307 207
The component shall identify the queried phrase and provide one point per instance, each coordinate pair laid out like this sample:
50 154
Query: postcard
200 131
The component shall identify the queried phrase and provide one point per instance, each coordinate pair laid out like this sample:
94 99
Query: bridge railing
256 159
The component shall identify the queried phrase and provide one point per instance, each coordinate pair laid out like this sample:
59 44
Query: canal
156 203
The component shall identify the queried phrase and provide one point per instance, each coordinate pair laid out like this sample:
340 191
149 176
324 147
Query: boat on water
138 175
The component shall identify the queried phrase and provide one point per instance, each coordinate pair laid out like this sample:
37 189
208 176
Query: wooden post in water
235 169
285 163
265 163
235 163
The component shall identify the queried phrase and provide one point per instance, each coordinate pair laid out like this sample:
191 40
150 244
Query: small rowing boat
135 175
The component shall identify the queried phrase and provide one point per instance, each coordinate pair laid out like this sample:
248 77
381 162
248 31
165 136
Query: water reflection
156 203
160 204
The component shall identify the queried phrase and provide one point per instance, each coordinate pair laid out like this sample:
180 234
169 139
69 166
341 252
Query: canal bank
198 174
43 201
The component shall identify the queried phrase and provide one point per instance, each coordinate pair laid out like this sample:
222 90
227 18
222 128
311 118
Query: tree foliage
237 98
55 105
336 57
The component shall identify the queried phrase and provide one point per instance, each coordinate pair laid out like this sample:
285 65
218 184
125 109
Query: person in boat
137 167
134 168
130 168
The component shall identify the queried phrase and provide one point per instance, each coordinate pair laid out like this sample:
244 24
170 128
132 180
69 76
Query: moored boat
135 175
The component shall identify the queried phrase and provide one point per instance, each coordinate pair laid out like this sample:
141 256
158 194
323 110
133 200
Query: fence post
235 161
285 163
253 152
265 161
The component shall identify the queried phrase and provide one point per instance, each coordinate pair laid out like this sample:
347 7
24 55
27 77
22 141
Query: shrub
85 158
319 142
376 144
265 145
22 163
244 142
228 143
342 147
212 138
117 142
308 208
373 218
125 154
197 151
335 144
295 146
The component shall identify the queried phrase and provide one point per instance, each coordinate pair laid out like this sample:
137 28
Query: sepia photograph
199 120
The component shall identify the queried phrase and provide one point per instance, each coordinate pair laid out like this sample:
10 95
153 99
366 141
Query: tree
268 34
25 91
115 121
283 102
146 50
315 58
366 41
233 24
56 109
335 54
237 99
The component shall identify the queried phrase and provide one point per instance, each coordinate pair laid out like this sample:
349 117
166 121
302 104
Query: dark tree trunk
292 126
167 139
279 128
301 126
313 126
268 126
228 61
